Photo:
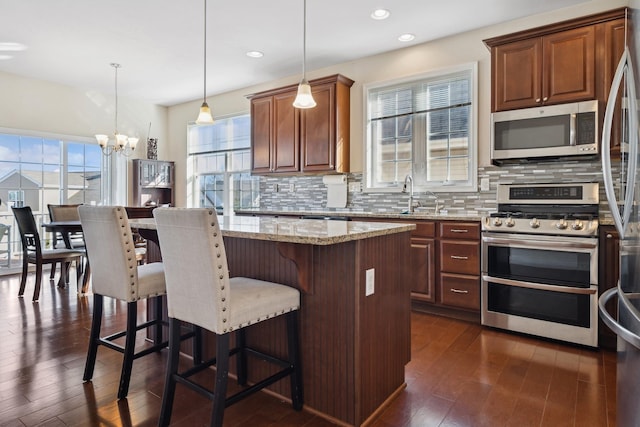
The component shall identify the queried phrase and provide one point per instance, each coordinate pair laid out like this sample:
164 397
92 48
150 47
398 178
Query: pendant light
304 98
122 144
205 117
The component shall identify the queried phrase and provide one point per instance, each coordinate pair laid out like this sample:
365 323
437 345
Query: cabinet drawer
460 291
460 230
424 229
460 257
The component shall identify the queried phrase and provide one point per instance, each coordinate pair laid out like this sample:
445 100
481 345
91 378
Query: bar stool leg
172 370
222 374
129 349
241 359
297 397
94 338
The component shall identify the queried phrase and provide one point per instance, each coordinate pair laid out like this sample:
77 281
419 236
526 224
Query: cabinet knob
545 98
537 99
609 236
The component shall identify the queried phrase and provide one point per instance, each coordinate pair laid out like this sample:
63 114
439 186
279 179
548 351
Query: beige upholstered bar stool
116 274
200 291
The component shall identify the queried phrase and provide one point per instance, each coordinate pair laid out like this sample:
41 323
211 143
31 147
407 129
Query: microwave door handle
632 114
606 144
572 130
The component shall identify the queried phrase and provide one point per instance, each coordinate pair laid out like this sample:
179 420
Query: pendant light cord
204 91
304 40
116 66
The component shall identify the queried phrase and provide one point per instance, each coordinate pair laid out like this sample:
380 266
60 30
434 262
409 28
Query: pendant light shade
205 117
304 98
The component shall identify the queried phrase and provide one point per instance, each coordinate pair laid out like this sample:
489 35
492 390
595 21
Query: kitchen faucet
408 179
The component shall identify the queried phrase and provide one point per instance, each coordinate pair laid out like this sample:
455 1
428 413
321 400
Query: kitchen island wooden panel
354 347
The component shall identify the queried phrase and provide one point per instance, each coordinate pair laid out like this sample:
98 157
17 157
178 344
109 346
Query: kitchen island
354 346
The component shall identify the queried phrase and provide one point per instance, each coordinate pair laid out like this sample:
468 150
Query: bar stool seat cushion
151 280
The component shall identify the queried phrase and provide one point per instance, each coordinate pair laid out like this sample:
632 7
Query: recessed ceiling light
5 57
11 47
406 37
380 14
255 54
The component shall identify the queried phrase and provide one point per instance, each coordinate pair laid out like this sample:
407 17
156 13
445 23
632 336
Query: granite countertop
418 214
295 230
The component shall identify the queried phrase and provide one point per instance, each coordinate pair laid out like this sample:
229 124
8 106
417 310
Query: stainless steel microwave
550 132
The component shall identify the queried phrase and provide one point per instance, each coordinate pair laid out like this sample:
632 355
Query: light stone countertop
294 230
419 214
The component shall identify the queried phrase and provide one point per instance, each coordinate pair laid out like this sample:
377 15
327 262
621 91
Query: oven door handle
612 323
511 241
540 286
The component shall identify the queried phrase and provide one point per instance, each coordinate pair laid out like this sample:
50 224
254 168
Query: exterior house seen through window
424 127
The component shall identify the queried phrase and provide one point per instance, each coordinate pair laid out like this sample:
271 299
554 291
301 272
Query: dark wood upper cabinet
554 64
153 182
289 140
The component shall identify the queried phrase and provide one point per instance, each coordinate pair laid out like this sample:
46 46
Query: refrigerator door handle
612 323
624 68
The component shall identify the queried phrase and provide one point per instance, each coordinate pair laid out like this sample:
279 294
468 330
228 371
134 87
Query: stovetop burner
553 209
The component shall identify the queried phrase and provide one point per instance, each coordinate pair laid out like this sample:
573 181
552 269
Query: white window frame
456 186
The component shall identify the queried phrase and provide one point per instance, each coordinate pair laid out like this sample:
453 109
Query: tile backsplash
309 193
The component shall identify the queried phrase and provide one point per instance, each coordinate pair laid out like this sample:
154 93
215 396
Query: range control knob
562 225
497 222
535 223
577 225
509 222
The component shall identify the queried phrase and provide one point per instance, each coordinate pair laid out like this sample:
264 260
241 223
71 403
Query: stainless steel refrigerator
622 187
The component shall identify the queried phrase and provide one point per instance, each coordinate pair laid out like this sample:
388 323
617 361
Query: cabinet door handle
459 257
458 291
459 230
609 236
545 98
537 99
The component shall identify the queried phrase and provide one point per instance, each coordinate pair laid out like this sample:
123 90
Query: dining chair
71 240
32 252
117 275
200 291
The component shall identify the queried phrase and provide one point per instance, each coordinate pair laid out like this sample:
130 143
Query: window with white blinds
424 127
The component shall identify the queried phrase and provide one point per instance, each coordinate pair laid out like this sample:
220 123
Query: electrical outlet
370 286
355 187
484 184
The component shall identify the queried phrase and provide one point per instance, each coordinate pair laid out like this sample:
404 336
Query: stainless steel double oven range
540 261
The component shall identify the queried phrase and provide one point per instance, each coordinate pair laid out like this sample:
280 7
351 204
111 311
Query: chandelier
121 144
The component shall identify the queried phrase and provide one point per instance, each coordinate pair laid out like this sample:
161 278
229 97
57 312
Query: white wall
442 53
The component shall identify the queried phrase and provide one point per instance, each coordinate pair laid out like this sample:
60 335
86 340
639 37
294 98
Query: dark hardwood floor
461 374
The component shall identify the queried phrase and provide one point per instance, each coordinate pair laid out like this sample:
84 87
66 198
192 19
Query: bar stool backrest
196 270
111 251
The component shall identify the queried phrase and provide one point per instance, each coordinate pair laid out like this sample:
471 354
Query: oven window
557 307
540 266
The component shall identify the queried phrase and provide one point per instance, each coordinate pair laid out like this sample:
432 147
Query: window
221 160
424 127
36 170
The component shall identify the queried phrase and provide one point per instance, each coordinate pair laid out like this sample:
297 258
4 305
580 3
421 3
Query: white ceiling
160 42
